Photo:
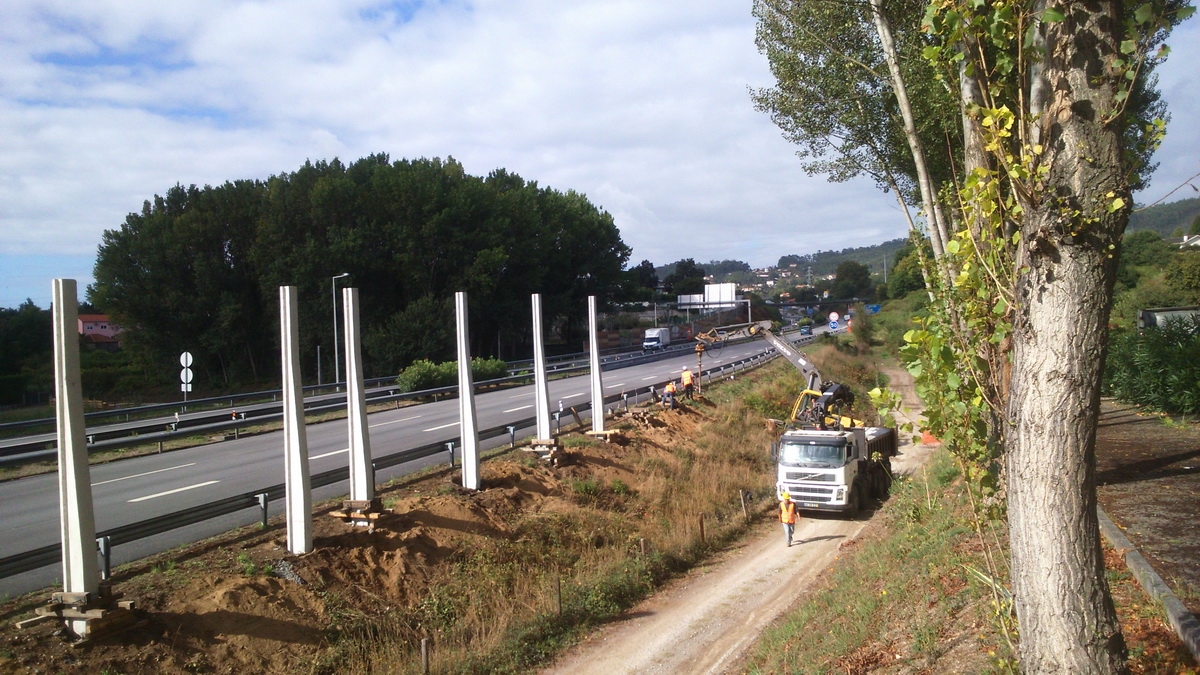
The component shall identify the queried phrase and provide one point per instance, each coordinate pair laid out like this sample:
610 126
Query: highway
134 489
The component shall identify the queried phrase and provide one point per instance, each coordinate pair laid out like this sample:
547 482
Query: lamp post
337 371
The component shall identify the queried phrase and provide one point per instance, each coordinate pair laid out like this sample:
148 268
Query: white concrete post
295 439
540 387
466 398
362 476
597 381
80 568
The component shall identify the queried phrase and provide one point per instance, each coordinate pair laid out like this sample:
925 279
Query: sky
642 106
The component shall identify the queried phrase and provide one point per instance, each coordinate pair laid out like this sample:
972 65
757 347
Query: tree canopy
198 268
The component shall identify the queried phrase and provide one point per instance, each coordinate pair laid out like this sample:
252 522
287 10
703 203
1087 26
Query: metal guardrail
44 447
124 534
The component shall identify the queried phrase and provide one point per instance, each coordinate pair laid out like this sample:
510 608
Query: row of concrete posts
87 608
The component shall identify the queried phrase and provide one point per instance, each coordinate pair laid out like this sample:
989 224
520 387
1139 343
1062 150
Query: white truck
834 470
656 338
826 460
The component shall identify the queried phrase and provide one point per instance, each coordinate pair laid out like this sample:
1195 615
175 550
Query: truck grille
808 476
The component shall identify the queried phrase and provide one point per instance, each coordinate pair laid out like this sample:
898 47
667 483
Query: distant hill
1166 219
824 263
1170 219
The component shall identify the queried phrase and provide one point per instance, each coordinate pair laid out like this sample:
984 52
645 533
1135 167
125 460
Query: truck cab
827 470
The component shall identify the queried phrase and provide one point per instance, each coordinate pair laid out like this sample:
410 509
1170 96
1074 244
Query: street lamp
337 373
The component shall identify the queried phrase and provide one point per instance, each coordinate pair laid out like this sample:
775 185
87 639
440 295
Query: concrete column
540 387
597 381
295 439
466 398
362 476
80 567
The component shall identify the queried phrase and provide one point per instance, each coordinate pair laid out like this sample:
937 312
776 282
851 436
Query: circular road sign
833 325
833 317
185 359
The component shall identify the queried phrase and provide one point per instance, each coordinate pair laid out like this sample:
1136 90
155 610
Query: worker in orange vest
669 395
787 516
686 378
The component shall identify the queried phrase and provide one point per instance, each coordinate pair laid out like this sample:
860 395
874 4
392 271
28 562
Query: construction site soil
242 604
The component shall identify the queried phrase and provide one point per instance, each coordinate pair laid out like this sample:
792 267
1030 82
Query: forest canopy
198 269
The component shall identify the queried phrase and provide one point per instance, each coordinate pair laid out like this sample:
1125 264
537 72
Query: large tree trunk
1066 617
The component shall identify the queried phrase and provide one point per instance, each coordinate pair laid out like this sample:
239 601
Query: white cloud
643 106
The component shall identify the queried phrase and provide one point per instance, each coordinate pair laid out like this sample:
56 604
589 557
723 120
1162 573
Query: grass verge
910 596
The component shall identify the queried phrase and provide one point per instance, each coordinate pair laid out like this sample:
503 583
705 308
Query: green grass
893 598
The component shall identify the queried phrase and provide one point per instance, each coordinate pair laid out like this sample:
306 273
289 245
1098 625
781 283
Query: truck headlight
841 495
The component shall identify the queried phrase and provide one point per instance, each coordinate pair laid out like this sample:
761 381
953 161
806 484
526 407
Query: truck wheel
854 504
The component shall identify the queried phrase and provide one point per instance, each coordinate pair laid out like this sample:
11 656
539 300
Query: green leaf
1184 12
1053 15
1144 14
1001 307
1127 47
952 247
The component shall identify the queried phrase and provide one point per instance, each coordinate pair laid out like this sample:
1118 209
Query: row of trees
198 269
1020 129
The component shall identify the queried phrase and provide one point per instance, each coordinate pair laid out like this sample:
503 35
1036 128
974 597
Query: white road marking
444 426
329 454
521 408
652 377
403 419
171 492
573 395
139 475
614 386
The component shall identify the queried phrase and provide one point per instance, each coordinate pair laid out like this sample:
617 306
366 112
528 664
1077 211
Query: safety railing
261 498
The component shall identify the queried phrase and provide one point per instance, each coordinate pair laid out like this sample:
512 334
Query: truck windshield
807 453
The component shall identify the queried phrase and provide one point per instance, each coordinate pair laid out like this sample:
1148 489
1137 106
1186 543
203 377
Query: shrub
1157 368
425 374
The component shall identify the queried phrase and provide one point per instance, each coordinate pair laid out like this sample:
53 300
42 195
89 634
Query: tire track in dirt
705 621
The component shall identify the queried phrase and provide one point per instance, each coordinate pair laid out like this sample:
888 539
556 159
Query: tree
905 275
1142 249
1183 275
199 268
687 279
1057 122
853 280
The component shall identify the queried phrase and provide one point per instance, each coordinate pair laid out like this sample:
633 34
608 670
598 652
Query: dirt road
704 622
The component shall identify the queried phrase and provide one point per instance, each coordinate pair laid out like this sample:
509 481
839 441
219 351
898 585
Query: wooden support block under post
575 414
606 435
359 512
545 448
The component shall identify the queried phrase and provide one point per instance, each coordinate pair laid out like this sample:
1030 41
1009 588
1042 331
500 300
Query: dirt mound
248 606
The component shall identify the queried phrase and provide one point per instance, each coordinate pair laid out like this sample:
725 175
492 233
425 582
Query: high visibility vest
787 512
687 377
670 388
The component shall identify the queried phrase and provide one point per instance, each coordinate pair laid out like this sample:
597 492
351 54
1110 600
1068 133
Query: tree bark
1065 613
939 232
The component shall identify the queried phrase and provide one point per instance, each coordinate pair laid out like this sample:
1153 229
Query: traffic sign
833 317
185 376
833 325
185 359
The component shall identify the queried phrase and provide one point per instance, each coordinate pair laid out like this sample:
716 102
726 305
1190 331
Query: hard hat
786 495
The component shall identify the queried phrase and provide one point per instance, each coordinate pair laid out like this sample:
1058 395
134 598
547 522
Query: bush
425 374
1157 368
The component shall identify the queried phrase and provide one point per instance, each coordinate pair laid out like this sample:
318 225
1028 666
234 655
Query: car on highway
806 330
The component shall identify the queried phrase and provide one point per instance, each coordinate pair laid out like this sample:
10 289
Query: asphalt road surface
134 489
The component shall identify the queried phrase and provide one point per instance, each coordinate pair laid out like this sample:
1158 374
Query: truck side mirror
774 451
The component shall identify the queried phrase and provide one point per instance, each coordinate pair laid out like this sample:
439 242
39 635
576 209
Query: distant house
1187 241
99 331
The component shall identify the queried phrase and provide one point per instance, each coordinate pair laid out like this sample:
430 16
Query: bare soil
241 603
